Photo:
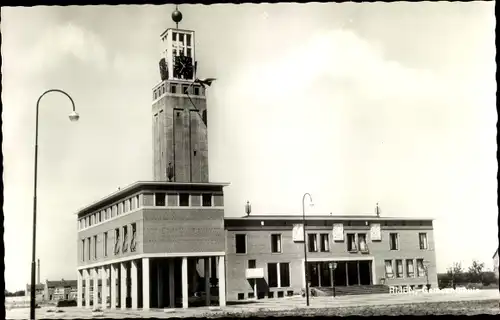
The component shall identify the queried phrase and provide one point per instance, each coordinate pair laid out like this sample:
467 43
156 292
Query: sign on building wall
298 232
338 232
375 233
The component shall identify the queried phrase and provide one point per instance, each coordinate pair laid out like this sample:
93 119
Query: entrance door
365 273
326 280
313 274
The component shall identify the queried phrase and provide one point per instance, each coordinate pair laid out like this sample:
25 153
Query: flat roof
324 217
138 185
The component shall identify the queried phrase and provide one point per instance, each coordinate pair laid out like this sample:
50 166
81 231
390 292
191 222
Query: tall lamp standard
333 266
73 117
305 246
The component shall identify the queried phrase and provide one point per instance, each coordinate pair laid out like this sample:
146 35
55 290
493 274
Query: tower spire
177 16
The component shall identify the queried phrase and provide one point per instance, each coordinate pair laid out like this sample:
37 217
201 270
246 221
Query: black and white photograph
250 160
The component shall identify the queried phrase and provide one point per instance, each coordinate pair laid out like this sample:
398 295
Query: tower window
196 91
181 37
207 200
154 95
188 52
174 36
173 88
184 200
185 89
160 199
188 39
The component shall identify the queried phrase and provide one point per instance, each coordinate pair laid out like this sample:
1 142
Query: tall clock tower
180 143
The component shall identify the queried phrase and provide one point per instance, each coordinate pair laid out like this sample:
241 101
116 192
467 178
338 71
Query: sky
354 103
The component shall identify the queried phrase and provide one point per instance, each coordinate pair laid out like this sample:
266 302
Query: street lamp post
333 266
73 117
305 246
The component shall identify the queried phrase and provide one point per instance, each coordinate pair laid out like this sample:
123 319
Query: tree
456 273
475 272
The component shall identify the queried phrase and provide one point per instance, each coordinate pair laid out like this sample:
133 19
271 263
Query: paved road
267 304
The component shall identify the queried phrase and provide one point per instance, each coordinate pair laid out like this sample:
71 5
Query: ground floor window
278 275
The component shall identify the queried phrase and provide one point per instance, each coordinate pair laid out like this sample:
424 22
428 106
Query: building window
184 200
241 296
399 268
160 199
185 89
83 249
272 275
409 268
241 243
88 247
276 243
420 268
325 243
313 242
388 269
362 242
422 237
133 240
393 241
125 244
188 40
95 247
196 91
206 200
174 36
173 88
117 241
351 242
284 275
252 264
105 244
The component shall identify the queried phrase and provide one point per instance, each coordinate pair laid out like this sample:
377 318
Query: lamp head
73 116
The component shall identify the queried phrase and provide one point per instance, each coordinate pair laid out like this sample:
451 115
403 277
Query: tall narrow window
133 240
184 200
420 268
88 248
117 241
284 275
83 249
325 243
196 91
124 243
362 242
173 88
399 268
272 275
388 269
409 268
160 199
394 241
351 242
313 242
207 200
185 89
276 243
95 247
241 243
422 237
105 244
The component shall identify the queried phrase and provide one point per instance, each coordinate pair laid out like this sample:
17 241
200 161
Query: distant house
495 262
55 290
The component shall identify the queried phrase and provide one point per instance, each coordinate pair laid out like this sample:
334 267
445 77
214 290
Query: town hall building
168 242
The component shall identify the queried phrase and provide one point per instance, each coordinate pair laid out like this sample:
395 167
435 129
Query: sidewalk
277 304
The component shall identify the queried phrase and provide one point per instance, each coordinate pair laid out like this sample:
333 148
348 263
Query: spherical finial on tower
176 15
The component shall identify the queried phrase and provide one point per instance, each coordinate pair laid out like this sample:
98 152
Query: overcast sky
353 103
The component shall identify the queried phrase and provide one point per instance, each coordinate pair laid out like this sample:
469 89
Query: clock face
183 67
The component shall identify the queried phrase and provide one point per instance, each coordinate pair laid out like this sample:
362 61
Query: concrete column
79 286
359 276
86 275
185 301
104 287
134 290
222 281
255 289
318 267
159 276
347 273
96 287
145 284
123 285
206 271
113 286
171 281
